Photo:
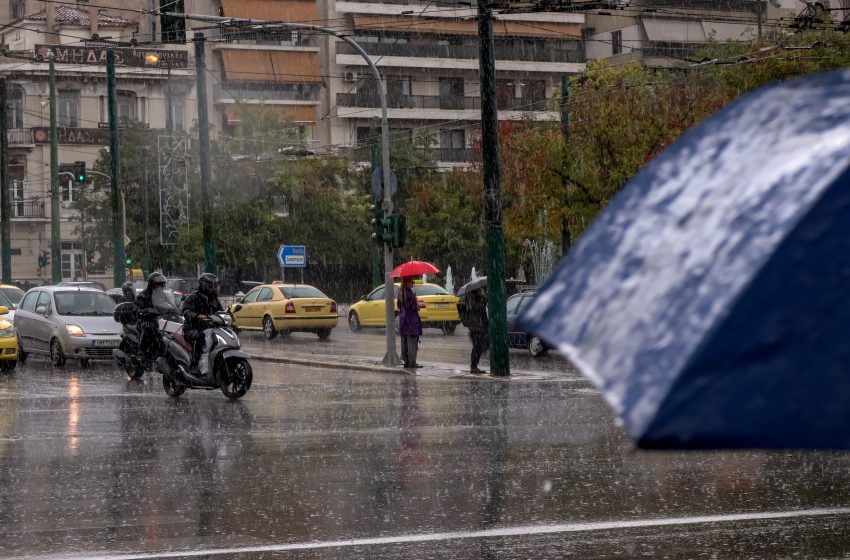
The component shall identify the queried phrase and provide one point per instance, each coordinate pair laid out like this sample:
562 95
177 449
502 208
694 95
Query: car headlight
7 333
75 330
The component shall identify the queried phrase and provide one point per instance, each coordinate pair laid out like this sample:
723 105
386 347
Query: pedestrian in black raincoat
197 309
478 324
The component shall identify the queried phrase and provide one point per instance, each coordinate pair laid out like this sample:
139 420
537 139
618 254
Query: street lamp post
391 358
154 58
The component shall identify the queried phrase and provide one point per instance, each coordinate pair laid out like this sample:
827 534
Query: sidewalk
434 370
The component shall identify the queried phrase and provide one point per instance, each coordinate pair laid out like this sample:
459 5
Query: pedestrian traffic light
80 171
44 259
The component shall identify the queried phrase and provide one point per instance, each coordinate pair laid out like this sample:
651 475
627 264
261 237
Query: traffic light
379 225
398 230
44 259
80 171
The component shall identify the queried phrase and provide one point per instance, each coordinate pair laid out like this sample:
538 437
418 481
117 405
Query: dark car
518 338
181 287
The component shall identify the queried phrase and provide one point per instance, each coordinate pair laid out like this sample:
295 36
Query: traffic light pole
55 235
391 357
5 206
204 149
496 297
118 274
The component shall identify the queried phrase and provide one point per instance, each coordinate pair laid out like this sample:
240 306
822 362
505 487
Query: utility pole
496 297
118 274
204 141
375 248
566 236
5 205
55 235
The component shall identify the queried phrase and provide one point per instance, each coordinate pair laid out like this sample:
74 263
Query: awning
276 10
673 30
729 31
420 25
294 67
298 113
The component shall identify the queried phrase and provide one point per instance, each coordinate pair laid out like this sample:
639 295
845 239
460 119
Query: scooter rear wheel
236 378
172 388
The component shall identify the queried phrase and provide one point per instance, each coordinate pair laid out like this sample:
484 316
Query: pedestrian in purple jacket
409 323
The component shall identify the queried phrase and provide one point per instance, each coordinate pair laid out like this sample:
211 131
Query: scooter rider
148 337
197 309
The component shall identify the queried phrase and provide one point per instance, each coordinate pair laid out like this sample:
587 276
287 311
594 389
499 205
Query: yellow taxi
285 308
437 308
8 342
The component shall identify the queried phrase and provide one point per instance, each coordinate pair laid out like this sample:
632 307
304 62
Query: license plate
442 305
312 308
104 344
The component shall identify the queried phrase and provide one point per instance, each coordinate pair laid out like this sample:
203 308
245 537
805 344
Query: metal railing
271 92
532 52
19 136
267 38
437 102
27 209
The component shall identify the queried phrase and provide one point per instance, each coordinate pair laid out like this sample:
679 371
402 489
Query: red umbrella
413 268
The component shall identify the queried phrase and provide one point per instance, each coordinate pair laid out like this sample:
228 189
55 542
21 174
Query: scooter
127 354
230 367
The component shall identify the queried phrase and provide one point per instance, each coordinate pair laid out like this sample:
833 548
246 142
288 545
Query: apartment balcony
530 53
436 102
28 209
231 91
227 38
17 137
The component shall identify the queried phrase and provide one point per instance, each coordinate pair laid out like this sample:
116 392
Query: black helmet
208 283
155 279
128 291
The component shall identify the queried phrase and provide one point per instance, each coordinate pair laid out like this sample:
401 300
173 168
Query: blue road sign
292 256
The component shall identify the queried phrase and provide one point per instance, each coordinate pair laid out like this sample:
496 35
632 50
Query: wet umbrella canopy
413 268
480 282
711 299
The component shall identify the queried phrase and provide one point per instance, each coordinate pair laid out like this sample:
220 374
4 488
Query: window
251 296
429 290
398 86
451 93
28 303
301 292
534 90
68 109
178 110
17 9
126 106
17 192
265 295
15 108
173 27
617 41
70 188
452 139
377 294
44 300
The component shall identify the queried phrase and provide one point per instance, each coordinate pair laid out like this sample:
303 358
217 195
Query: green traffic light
129 262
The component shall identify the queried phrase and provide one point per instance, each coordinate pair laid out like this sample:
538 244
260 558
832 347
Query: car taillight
333 307
290 307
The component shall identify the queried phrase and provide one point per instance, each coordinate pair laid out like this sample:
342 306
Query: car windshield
83 303
14 295
429 290
512 304
292 292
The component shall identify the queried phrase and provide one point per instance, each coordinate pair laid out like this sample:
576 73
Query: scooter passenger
149 341
197 309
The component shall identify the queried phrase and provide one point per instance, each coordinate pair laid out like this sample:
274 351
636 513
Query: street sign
292 256
126 240
378 181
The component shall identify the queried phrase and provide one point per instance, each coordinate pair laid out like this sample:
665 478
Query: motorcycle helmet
208 284
128 292
156 280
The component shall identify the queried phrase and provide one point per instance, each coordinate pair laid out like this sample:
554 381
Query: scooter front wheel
235 378
172 387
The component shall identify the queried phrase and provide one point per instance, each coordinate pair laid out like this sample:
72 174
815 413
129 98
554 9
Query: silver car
66 322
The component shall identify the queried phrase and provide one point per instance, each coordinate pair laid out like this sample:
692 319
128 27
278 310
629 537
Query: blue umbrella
710 301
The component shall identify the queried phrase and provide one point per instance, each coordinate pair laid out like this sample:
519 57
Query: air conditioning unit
350 77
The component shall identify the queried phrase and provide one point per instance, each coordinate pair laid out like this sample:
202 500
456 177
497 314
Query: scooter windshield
163 301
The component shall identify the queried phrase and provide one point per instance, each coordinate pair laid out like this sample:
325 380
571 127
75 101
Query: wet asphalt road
332 464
